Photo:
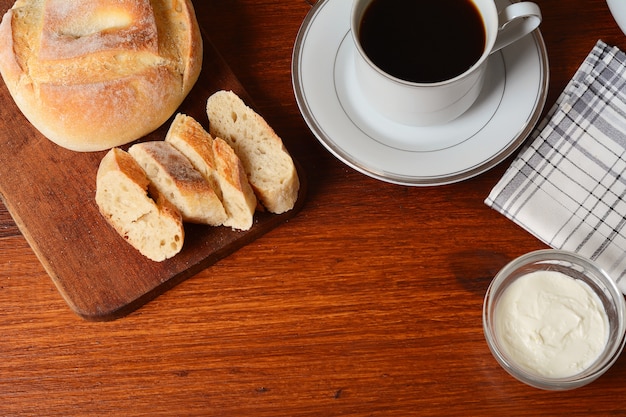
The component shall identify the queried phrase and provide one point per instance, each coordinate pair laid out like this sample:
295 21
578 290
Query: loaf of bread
219 165
154 228
268 165
94 74
172 175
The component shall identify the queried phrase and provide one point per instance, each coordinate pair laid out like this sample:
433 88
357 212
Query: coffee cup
423 63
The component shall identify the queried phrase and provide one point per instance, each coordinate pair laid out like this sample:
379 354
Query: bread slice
269 167
173 176
154 228
239 198
189 138
219 165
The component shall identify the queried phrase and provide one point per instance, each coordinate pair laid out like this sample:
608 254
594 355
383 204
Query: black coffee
423 41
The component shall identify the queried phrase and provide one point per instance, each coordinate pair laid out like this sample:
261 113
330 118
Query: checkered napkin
568 184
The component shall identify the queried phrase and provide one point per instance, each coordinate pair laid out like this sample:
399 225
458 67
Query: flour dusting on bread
92 75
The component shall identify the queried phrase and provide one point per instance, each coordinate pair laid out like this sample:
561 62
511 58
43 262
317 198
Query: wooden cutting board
50 192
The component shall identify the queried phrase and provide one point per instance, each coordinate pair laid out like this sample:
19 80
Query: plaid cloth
567 185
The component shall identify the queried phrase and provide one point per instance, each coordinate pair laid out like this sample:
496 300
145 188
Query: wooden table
367 303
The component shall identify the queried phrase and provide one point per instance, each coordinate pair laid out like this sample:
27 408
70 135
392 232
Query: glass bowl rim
609 355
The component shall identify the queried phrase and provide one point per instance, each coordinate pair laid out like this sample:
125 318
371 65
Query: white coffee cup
423 104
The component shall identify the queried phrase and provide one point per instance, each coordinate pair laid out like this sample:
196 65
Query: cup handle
516 21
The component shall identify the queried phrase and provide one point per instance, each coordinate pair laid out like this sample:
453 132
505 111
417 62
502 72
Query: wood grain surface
50 192
367 303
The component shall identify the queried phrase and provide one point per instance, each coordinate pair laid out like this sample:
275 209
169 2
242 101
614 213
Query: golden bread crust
97 74
174 176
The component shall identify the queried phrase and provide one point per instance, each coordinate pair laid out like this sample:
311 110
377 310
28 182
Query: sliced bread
173 175
192 140
154 228
239 199
268 165
219 165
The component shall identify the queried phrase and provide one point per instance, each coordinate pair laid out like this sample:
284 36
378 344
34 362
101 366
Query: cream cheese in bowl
554 320
551 324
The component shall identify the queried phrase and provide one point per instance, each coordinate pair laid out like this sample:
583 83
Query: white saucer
332 106
618 10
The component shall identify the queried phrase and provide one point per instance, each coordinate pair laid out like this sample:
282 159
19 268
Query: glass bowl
580 269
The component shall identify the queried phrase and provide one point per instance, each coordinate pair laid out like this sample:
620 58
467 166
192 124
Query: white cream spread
551 324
